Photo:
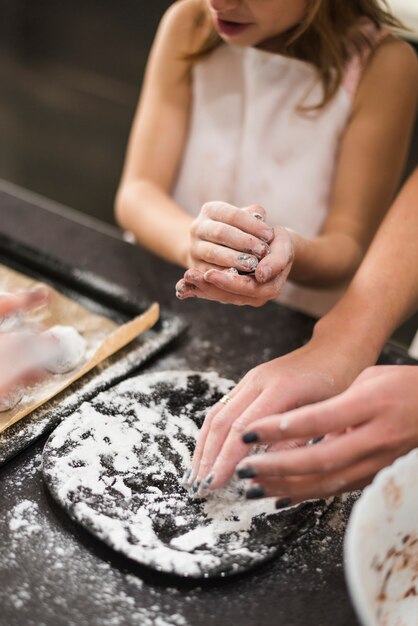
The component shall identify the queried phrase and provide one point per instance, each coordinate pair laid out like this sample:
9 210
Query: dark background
70 75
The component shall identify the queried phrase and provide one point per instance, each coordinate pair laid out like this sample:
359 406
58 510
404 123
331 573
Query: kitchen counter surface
52 572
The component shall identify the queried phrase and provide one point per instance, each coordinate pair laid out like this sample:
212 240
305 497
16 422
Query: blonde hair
327 36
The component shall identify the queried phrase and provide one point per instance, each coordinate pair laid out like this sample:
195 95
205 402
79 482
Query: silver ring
225 399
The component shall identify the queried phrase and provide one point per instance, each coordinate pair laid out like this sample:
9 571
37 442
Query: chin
243 41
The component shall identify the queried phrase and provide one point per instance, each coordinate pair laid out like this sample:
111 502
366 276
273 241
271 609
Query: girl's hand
17 365
365 429
310 374
228 287
224 236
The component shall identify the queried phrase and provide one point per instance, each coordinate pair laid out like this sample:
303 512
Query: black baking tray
103 298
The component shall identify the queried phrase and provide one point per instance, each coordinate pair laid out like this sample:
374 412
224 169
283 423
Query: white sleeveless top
248 144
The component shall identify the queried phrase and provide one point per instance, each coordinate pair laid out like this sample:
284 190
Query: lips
231 29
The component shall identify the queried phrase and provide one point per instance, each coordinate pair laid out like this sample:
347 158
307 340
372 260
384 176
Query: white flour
63 349
50 576
115 465
60 560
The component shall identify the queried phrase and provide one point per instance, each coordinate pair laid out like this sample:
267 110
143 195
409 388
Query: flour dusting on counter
115 466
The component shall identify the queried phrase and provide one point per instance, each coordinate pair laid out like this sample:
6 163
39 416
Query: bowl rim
352 567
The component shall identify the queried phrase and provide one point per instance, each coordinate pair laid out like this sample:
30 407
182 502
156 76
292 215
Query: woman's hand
365 429
312 373
269 271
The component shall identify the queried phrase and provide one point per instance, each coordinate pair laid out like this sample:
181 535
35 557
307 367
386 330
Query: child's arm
371 160
143 203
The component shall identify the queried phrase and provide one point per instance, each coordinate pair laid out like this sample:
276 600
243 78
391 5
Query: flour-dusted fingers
228 236
208 291
220 424
251 220
185 289
294 489
244 286
239 397
192 473
324 457
315 420
221 256
224 459
280 258
23 301
256 211
332 454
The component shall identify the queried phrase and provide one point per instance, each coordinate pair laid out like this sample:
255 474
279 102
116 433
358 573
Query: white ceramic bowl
381 547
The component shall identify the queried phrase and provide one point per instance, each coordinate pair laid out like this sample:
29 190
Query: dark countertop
52 573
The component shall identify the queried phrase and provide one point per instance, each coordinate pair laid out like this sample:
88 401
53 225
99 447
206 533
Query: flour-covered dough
116 465
63 348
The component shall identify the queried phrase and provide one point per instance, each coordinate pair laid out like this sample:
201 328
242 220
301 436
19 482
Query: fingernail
181 288
246 472
208 481
254 493
261 249
314 441
251 438
267 235
250 262
185 295
266 273
283 503
195 487
231 270
185 478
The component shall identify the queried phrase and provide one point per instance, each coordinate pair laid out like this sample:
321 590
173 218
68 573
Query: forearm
156 221
384 291
324 261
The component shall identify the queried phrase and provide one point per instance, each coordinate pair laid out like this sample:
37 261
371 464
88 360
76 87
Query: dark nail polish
254 493
251 438
246 472
196 486
185 477
283 503
208 481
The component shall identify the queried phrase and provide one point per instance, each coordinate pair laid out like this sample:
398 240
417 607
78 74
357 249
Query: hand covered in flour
315 372
21 301
264 272
224 236
17 365
364 429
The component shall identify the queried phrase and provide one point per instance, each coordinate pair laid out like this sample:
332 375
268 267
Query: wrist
324 261
349 330
301 252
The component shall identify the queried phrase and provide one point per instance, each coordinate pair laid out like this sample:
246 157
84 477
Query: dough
62 349
116 464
